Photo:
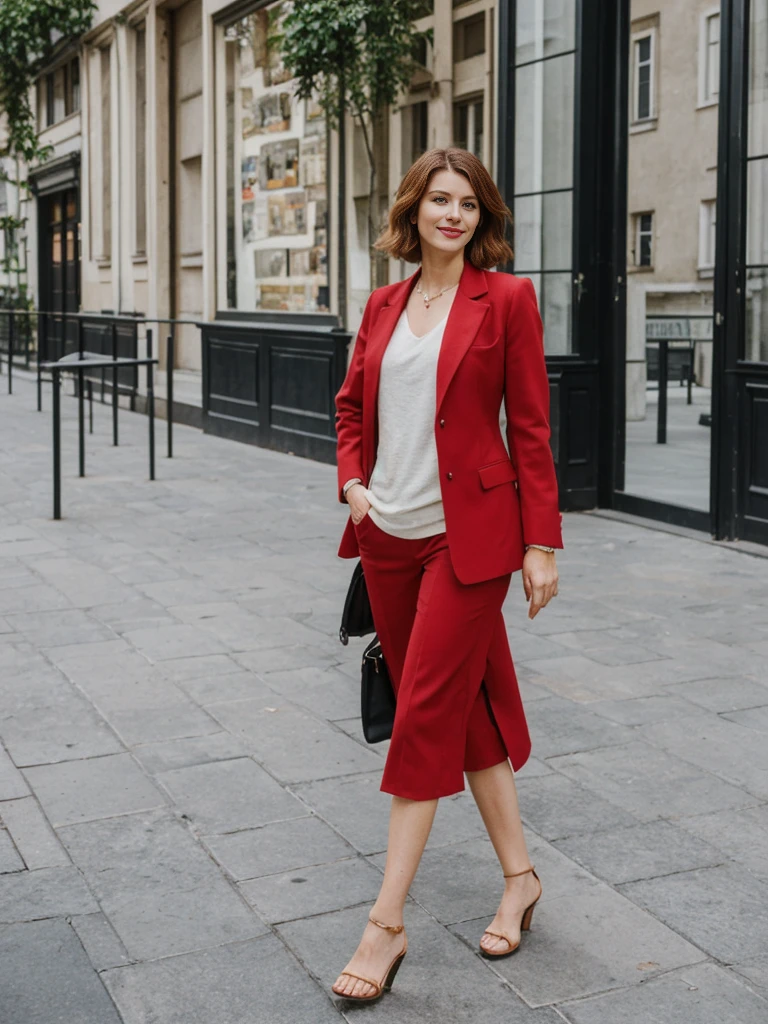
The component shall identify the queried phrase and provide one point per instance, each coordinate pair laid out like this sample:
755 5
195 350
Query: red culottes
436 633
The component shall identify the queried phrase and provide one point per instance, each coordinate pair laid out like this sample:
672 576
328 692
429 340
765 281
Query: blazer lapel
464 320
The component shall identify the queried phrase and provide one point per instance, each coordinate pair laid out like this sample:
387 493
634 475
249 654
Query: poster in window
275 71
280 164
299 262
250 175
313 161
249 226
287 213
321 211
271 113
271 262
248 124
252 37
314 118
291 297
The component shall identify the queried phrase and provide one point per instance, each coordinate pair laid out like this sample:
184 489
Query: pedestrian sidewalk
192 830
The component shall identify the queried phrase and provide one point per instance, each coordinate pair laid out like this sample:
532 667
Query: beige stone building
672 178
187 181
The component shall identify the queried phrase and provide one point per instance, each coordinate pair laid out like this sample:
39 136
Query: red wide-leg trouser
435 633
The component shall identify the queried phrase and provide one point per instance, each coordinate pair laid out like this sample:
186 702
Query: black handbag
377 695
356 618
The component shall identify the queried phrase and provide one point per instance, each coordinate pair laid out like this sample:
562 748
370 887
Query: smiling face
448 213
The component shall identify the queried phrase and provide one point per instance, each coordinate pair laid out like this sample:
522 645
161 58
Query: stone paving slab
188 802
46 976
257 981
440 980
32 834
704 994
723 909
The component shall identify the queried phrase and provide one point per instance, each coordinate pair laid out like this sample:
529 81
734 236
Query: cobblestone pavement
192 829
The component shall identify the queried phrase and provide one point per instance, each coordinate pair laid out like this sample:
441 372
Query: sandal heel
393 973
525 924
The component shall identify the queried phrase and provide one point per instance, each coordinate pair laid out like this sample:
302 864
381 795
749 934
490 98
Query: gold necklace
431 298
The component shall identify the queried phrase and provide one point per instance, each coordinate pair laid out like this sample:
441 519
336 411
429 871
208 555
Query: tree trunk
342 204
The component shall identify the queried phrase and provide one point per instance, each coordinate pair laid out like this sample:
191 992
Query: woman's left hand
539 579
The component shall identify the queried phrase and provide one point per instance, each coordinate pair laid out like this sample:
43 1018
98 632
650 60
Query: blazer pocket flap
502 472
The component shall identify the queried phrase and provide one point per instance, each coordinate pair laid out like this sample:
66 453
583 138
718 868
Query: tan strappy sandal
525 923
380 987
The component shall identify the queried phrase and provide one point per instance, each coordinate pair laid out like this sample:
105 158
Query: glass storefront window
544 131
276 167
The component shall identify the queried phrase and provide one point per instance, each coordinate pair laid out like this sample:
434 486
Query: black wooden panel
233 379
579 417
574 423
274 384
300 391
755 462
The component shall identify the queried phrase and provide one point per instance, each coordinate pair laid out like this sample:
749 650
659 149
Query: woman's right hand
358 503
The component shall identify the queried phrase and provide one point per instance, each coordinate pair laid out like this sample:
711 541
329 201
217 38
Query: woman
441 515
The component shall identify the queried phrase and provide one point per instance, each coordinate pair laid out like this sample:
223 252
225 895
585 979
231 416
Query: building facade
188 182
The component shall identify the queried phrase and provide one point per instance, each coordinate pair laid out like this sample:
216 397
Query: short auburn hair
488 246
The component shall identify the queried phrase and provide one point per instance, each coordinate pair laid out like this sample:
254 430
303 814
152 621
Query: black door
740 478
59 270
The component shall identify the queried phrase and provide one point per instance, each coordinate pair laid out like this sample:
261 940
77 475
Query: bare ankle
387 914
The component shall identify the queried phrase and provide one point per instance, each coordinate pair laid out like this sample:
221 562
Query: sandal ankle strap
524 872
394 928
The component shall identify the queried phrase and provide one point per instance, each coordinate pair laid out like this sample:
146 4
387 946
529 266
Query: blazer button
442 423
449 475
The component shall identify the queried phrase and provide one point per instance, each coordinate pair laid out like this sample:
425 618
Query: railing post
41 336
151 405
170 360
661 423
10 352
56 446
114 384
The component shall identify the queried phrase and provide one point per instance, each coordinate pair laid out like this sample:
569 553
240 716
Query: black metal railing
47 337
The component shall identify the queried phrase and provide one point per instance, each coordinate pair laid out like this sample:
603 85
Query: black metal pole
10 353
56 447
114 384
661 425
170 359
151 406
81 399
90 406
689 400
40 359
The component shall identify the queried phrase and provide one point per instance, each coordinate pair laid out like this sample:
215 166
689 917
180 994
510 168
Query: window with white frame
140 140
643 76
643 251
468 125
709 57
707 234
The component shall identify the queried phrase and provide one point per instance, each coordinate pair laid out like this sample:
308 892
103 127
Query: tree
354 55
30 31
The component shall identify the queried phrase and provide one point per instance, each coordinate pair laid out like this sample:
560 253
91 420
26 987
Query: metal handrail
107 319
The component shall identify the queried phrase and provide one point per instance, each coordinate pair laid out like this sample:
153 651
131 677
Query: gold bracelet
540 547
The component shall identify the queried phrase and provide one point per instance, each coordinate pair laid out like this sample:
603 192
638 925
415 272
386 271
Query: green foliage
29 32
350 52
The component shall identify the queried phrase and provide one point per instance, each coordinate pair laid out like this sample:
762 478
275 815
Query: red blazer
491 349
